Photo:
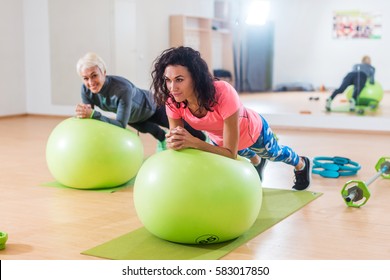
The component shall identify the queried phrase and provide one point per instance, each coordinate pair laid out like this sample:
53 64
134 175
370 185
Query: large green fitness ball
91 154
369 93
195 197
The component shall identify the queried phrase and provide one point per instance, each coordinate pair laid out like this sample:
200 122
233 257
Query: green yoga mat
142 245
345 109
109 190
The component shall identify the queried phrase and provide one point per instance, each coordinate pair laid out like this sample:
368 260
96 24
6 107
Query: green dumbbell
356 193
3 239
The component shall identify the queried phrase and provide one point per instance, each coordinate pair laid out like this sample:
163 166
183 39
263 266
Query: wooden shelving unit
211 37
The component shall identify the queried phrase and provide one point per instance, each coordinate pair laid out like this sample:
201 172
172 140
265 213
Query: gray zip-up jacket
120 96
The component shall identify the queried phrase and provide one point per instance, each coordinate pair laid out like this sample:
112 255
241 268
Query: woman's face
93 78
179 83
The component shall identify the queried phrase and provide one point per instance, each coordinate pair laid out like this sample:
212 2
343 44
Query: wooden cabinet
211 37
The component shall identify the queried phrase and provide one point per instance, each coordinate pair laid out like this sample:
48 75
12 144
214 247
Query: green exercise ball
3 239
370 93
91 154
194 197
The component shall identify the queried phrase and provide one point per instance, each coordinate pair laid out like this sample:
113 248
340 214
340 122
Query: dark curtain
254 59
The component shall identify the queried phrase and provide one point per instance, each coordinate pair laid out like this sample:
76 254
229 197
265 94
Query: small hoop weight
334 167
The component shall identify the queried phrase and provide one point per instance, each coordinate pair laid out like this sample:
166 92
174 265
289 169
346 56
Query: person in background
182 82
133 106
358 78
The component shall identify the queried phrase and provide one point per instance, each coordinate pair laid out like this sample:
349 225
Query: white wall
12 75
37 53
152 36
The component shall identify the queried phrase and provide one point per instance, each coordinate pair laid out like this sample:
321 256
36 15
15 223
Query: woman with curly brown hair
183 83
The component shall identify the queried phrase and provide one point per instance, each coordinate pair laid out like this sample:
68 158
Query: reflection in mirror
293 67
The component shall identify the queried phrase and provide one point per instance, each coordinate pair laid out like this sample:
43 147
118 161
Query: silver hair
89 60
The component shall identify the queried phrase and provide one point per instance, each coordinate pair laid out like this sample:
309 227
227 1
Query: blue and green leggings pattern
266 146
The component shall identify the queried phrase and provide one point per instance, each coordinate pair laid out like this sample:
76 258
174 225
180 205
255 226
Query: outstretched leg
150 127
359 83
267 147
348 80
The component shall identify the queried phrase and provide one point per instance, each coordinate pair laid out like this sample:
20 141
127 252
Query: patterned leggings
266 146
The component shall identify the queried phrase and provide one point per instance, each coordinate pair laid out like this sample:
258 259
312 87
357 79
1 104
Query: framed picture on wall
357 25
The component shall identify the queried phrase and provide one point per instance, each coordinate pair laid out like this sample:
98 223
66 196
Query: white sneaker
352 104
328 104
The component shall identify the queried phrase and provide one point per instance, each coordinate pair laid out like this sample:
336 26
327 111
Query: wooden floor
51 223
